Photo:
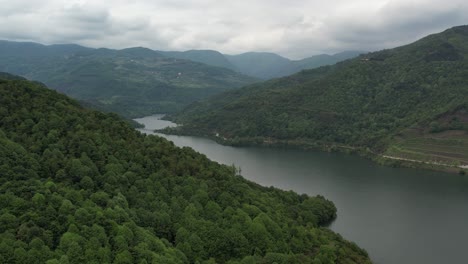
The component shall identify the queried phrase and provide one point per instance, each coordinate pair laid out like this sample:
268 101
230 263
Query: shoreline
381 159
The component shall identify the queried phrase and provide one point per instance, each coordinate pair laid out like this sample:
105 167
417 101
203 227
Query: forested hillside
80 186
411 101
132 82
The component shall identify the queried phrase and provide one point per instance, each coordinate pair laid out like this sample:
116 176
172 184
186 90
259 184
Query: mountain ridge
262 65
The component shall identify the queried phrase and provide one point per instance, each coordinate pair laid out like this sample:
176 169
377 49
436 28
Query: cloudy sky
292 28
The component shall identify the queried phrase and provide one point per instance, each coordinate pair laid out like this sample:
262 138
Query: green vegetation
132 82
80 186
370 104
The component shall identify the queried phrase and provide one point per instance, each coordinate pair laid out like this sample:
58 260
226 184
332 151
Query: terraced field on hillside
448 148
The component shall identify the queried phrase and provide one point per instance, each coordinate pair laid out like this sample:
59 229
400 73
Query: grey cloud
294 29
13 7
395 24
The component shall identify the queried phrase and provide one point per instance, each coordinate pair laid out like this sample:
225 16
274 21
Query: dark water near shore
398 215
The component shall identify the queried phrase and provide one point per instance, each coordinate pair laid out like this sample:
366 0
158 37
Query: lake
398 215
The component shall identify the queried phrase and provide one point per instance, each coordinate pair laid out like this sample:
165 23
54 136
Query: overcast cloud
292 28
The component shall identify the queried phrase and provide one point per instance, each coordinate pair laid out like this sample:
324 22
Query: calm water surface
398 215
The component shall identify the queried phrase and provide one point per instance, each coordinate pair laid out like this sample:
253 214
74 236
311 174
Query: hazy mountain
265 65
262 65
80 186
408 102
320 60
31 49
132 82
209 57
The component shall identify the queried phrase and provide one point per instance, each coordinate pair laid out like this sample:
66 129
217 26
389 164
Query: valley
343 157
408 102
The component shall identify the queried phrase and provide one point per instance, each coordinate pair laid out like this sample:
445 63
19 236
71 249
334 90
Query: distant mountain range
262 65
132 82
407 103
265 65
140 81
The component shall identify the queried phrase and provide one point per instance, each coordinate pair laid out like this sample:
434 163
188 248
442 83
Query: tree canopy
80 186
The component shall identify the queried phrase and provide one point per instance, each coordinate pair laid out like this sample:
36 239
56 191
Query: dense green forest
409 102
132 82
81 186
